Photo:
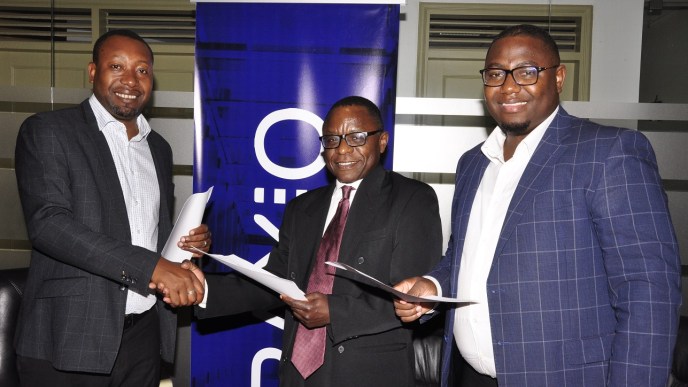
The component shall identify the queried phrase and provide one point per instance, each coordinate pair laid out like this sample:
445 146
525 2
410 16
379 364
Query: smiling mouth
346 164
126 96
512 104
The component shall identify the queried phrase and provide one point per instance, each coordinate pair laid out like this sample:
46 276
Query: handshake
182 284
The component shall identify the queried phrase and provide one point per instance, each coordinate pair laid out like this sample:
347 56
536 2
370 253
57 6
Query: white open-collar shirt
472 332
139 182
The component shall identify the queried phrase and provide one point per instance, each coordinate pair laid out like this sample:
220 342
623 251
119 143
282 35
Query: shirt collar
104 118
493 147
354 184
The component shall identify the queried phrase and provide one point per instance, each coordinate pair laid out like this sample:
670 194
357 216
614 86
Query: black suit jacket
393 232
82 259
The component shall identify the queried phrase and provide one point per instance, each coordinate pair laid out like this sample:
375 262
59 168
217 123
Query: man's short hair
532 31
355 100
121 32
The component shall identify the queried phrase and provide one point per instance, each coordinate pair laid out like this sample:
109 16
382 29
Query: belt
131 319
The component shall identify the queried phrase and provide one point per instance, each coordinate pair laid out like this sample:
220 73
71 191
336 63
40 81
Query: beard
515 128
124 112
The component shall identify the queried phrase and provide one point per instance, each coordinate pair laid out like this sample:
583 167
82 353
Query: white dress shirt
337 196
472 322
139 182
334 202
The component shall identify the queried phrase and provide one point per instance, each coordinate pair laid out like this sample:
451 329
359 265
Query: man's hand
199 238
179 286
188 265
414 286
313 313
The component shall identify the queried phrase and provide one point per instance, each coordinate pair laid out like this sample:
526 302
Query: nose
344 147
129 78
510 86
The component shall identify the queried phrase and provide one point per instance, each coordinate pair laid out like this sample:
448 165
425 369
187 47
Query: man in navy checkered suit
561 235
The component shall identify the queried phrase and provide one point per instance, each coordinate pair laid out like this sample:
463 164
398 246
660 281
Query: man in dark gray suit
96 188
393 229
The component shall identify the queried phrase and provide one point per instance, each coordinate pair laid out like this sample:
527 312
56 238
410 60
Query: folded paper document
189 217
264 277
362 277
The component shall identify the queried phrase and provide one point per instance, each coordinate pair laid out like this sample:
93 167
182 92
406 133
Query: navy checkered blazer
584 289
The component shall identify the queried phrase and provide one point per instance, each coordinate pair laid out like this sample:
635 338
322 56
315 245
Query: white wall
617 36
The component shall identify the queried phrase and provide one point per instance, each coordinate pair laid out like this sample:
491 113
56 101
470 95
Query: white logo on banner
259 143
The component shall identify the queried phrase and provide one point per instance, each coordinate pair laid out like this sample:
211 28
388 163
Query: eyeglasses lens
523 76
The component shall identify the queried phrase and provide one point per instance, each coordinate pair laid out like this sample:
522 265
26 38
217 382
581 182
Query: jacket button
341 349
361 260
292 275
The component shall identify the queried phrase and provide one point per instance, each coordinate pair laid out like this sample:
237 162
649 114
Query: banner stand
266 74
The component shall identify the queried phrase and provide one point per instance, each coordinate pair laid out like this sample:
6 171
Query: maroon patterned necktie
309 345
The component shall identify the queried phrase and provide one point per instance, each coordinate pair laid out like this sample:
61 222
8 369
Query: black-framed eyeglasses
523 75
331 141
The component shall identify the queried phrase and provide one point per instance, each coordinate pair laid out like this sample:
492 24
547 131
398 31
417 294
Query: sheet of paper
368 280
190 217
280 285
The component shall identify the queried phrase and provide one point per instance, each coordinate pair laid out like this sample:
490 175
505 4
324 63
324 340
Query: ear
91 72
384 138
561 76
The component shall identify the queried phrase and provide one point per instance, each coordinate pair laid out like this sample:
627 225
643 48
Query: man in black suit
96 188
393 226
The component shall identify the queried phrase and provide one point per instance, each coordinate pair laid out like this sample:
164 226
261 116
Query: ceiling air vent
43 24
471 32
156 26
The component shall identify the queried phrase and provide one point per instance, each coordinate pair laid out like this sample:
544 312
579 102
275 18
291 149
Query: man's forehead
524 45
347 115
118 45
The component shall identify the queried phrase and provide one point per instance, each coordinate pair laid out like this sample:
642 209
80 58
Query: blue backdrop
266 74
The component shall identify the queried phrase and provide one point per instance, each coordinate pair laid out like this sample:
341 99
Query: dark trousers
463 375
137 363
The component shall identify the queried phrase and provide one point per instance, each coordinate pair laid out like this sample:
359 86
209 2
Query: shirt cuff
439 291
205 295
434 281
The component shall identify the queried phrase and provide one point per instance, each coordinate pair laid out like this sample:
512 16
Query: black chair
427 345
11 285
679 370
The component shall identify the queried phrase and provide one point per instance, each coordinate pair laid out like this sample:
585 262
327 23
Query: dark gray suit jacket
393 232
82 259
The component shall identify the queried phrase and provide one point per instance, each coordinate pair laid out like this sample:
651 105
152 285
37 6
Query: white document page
190 217
264 277
368 280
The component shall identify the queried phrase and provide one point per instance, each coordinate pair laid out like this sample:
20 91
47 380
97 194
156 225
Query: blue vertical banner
266 74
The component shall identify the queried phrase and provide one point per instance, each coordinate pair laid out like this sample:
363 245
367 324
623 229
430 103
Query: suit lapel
467 183
108 181
164 217
362 212
535 176
313 226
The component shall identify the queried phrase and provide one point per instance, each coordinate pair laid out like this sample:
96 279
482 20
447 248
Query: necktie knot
346 191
